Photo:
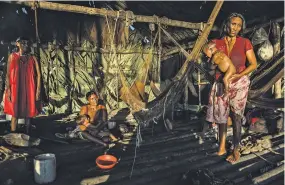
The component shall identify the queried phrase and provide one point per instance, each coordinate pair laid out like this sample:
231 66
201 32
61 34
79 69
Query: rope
164 109
209 77
181 48
117 76
272 151
138 141
35 8
114 50
263 158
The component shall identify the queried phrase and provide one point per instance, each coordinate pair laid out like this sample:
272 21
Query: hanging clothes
22 79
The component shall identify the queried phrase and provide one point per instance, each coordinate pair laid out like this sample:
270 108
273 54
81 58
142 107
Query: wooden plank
90 49
104 12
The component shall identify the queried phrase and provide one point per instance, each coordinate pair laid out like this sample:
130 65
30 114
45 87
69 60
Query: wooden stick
89 49
54 140
109 13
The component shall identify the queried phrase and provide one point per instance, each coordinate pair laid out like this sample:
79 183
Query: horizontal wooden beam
89 49
110 13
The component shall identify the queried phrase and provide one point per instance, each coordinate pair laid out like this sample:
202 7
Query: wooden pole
202 39
159 57
186 95
199 89
278 89
276 32
109 13
89 49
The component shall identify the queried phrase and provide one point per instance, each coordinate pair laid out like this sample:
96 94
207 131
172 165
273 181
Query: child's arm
230 71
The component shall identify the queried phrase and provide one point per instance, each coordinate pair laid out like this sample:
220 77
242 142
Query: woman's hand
8 93
225 96
235 77
38 93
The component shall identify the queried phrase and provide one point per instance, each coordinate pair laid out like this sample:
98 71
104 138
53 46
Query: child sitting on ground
90 131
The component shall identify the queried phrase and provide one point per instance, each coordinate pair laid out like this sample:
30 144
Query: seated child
90 131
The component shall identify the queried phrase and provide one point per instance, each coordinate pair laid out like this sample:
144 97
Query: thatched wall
70 71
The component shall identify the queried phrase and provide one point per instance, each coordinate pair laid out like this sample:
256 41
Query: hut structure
143 58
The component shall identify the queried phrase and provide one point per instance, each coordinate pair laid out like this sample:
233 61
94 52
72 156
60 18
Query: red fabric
22 80
253 120
219 106
238 53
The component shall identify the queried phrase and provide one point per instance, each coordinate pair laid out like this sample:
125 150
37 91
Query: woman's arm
38 90
252 62
231 70
7 80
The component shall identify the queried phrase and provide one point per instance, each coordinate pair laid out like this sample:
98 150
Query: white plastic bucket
44 168
20 121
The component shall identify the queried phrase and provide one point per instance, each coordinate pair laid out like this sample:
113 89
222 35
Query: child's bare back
223 62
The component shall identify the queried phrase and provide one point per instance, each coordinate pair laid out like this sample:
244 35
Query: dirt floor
162 158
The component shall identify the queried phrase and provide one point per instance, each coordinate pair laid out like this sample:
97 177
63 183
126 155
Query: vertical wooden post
186 95
44 96
276 50
278 89
199 88
159 56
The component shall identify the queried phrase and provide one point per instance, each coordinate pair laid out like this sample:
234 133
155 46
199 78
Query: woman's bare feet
234 157
221 152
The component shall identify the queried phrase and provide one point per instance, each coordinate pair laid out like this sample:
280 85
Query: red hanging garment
22 79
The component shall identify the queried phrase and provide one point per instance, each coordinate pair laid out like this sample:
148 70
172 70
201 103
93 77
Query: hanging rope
139 137
113 49
208 76
138 142
175 42
35 8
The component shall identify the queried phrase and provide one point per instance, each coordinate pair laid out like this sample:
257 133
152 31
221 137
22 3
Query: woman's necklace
230 42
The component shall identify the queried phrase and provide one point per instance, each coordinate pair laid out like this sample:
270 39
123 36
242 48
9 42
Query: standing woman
23 85
239 50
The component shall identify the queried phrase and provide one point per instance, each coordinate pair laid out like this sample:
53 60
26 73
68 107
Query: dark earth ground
162 158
